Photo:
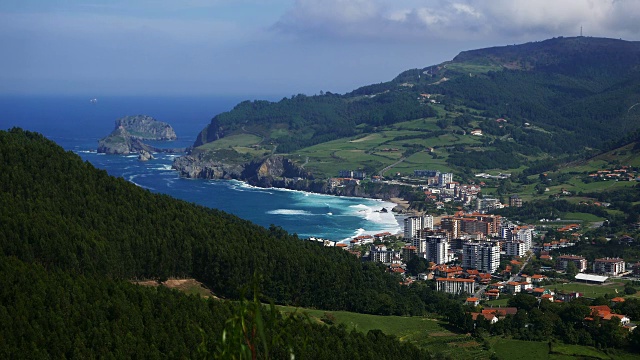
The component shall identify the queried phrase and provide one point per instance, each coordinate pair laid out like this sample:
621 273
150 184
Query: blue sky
267 47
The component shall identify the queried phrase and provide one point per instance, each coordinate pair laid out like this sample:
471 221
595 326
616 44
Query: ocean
76 124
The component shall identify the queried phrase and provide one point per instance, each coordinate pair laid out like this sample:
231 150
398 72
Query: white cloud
461 20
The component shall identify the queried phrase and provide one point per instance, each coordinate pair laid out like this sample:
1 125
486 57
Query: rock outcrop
145 127
127 137
145 155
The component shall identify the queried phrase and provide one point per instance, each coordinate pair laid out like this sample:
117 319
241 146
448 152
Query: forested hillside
47 313
73 237
63 213
558 99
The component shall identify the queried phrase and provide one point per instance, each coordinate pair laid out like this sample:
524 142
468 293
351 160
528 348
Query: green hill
560 99
63 213
72 238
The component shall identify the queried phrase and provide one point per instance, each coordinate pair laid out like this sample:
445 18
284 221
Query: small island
131 131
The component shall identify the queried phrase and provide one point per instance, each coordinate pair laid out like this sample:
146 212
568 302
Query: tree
571 270
523 301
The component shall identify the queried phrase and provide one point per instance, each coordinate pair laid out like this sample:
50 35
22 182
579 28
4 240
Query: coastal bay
332 217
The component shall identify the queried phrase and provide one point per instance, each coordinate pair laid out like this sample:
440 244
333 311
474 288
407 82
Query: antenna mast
580 31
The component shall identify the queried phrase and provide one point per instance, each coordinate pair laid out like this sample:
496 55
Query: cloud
459 20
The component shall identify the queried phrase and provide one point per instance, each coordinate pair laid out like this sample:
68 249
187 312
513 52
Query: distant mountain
552 99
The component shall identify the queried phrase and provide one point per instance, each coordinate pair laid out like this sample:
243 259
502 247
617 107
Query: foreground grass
425 332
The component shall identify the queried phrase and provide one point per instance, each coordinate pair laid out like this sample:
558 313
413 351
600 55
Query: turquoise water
76 125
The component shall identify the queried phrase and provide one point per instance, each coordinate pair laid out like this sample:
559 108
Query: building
515 201
609 266
352 174
379 253
474 226
451 225
604 312
564 260
515 248
409 252
437 249
414 224
444 179
487 204
455 285
426 173
483 256
524 234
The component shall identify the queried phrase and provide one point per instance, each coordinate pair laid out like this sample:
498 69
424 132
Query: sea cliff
280 172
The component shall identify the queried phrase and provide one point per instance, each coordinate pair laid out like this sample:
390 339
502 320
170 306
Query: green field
240 140
428 333
386 147
473 68
510 349
581 217
559 349
589 290
498 302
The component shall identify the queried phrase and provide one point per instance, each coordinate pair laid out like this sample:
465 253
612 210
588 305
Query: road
524 264
381 173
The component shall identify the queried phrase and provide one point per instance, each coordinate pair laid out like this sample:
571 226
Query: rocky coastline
279 172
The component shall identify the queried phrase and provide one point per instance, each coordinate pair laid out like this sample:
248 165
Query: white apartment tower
414 224
483 256
444 179
526 236
437 249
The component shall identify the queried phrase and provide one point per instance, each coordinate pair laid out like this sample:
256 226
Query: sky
268 47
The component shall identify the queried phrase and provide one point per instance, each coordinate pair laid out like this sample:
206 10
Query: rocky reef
129 133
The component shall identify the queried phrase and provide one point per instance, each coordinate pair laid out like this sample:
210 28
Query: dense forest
72 237
48 313
63 213
311 120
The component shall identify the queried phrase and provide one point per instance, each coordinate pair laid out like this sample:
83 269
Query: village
483 257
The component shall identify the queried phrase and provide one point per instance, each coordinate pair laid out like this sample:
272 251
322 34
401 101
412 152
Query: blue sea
76 124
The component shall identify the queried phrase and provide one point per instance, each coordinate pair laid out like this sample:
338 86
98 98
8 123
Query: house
476 132
447 271
492 294
493 315
513 287
490 317
604 313
566 297
537 278
617 300
473 301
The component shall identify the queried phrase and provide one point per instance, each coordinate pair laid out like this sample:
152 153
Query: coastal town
485 257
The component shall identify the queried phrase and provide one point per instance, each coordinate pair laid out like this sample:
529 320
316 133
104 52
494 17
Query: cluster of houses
603 312
622 173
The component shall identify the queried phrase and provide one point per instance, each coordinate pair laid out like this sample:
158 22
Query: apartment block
564 260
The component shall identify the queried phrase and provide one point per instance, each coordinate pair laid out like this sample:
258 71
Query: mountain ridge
559 98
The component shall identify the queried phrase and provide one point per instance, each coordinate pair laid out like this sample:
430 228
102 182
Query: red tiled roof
454 280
